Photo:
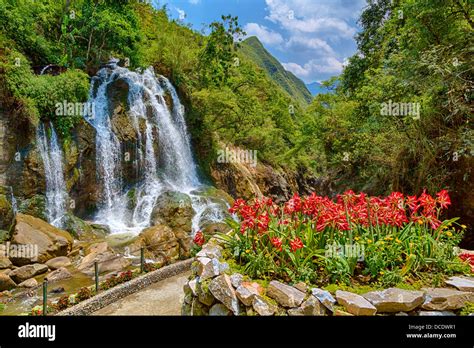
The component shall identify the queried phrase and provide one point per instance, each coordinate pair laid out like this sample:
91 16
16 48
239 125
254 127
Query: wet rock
5 262
440 299
219 310
394 300
6 283
160 242
324 297
29 283
58 262
285 295
107 259
236 279
247 291
263 307
436 313
355 304
211 228
462 283
83 230
312 306
50 241
221 288
26 272
59 274
34 206
58 290
173 209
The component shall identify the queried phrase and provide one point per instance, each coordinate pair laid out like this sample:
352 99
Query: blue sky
311 38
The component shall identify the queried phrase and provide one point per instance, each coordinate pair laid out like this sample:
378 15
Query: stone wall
213 289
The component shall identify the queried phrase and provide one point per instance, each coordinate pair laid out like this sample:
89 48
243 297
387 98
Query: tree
218 56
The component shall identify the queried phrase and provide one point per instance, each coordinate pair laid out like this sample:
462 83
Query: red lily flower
443 198
296 244
199 238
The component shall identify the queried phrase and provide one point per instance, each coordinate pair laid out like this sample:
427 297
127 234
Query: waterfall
13 201
52 156
171 168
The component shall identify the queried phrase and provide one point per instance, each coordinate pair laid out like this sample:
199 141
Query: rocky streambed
37 251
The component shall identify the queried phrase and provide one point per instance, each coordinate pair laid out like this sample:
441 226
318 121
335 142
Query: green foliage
467 309
40 94
254 50
218 56
79 34
409 51
228 98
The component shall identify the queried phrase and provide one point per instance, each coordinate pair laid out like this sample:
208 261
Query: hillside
296 88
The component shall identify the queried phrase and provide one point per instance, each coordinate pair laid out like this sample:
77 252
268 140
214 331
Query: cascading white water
13 201
172 168
52 156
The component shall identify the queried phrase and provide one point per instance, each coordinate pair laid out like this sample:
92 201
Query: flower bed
318 240
314 249
216 288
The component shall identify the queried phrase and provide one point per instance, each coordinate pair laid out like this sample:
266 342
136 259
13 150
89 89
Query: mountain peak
253 48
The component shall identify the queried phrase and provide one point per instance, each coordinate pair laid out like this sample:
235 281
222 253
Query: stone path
162 298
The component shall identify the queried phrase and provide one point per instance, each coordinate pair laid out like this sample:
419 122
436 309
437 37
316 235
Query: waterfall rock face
127 164
143 154
56 194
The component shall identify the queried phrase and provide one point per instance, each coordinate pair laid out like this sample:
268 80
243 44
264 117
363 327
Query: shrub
113 281
62 303
83 294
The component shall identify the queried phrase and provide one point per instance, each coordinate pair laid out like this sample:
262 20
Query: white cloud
194 2
300 42
306 16
318 34
264 34
326 66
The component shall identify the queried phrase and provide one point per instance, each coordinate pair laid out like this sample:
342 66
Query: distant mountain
316 88
296 88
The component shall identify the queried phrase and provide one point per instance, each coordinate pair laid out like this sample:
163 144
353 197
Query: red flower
276 242
199 238
293 205
296 244
263 221
443 198
469 258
